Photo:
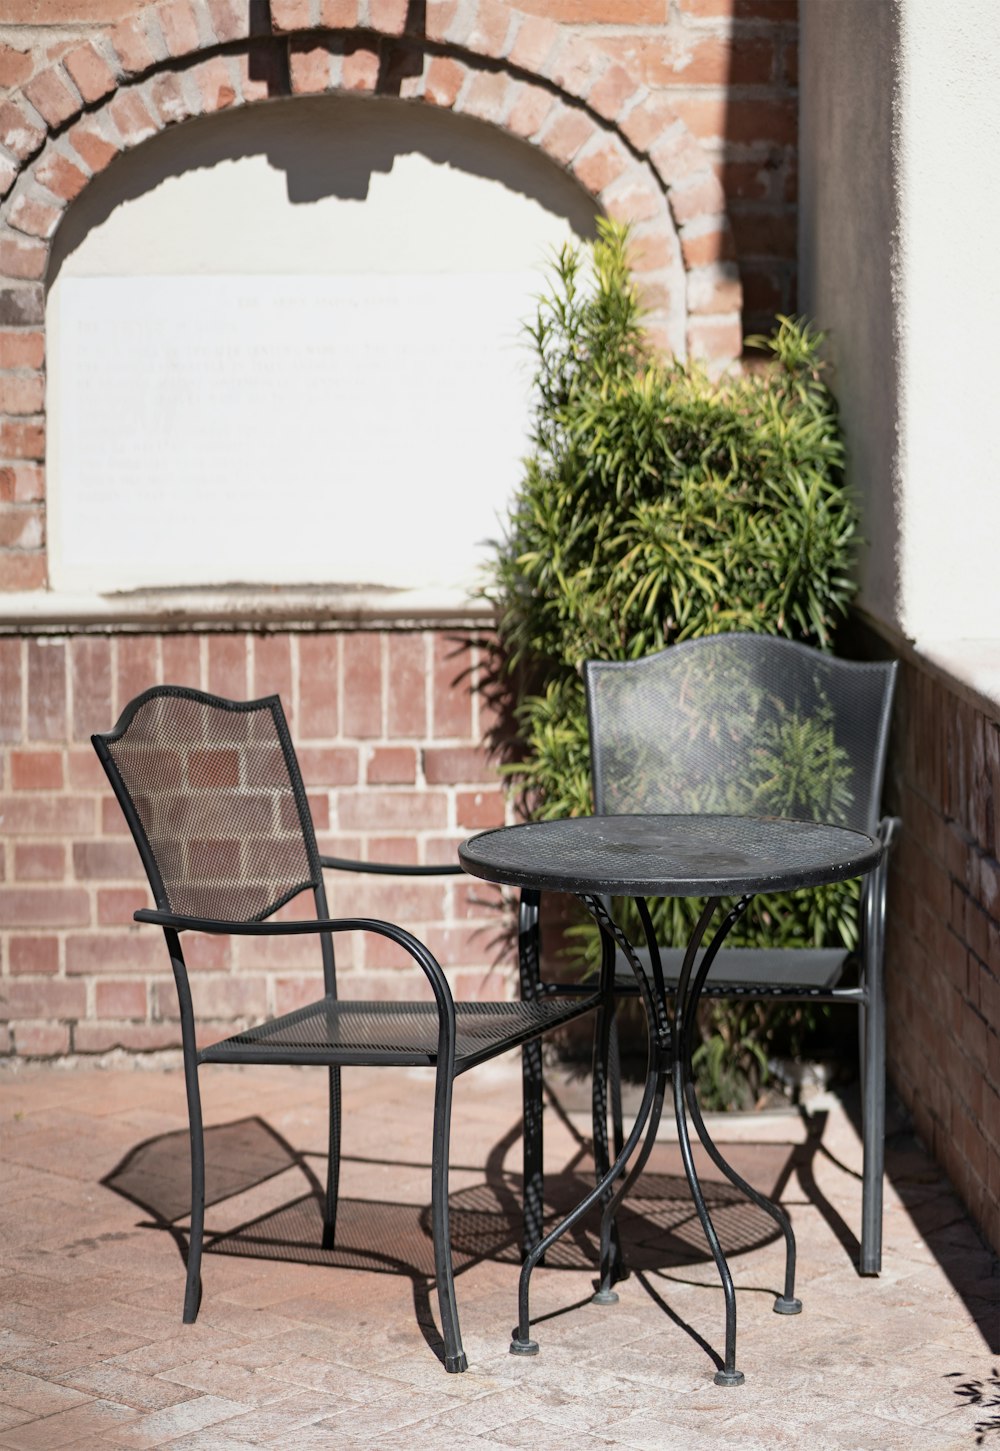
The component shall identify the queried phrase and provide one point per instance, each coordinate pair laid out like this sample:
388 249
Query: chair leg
454 1356
607 1075
532 1147
332 1163
873 1126
192 1293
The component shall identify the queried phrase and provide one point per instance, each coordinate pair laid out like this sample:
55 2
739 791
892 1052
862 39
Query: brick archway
187 58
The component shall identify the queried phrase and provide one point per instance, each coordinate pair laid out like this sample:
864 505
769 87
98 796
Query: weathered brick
133 120
181 660
132 1037
92 75
487 97
39 861
133 47
47 718
231 19
20 128
360 68
41 1040
36 213
443 81
179 27
451 765
227 666
23 257
388 16
15 66
20 305
48 997
530 109
53 95
310 68
21 350
339 14
22 439
692 59
36 770
11 674
478 810
116 905
382 811
491 30
407 686
22 393
362 670
44 907
166 98
121 998
106 861
91 682
391 766
23 570
598 12
38 956
22 526
137 950
92 144
566 134
215 83
597 167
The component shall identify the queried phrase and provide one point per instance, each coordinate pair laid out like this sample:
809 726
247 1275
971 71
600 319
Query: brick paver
300 1347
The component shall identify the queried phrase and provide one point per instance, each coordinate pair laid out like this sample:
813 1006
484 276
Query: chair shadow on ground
660 1232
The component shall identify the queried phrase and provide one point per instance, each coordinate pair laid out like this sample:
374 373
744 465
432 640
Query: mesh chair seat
805 972
405 1034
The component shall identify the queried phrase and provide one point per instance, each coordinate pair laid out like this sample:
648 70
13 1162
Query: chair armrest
178 922
393 869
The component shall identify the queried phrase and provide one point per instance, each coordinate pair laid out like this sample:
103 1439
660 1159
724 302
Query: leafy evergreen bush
659 505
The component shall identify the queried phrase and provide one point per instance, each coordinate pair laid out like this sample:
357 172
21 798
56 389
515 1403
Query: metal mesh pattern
212 788
398 1032
652 856
740 724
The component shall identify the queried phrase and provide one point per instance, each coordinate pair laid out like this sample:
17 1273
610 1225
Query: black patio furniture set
697 794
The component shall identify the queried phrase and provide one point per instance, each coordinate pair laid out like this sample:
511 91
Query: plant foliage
658 505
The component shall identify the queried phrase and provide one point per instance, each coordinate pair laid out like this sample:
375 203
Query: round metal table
599 857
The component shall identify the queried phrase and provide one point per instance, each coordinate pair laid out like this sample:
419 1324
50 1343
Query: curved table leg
521 1341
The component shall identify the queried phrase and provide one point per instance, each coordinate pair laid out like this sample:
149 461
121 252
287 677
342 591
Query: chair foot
522 1347
604 1297
455 1364
784 1305
329 1235
729 1377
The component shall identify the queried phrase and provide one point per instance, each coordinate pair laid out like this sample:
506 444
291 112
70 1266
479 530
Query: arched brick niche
480 58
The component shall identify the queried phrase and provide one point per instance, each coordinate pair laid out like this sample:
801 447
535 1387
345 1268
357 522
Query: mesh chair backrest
212 791
741 724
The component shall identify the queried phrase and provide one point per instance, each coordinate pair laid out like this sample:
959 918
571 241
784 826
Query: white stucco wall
900 211
949 223
286 347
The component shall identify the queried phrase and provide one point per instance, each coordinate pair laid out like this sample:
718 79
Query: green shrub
658 505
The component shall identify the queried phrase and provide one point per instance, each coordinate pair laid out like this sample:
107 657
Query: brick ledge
46 612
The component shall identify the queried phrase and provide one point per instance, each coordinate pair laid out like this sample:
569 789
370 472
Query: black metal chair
213 795
755 724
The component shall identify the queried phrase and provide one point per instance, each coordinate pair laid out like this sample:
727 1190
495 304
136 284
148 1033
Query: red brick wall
389 736
943 964
676 115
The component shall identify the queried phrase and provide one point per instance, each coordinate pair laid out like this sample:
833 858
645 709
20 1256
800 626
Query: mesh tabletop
669 856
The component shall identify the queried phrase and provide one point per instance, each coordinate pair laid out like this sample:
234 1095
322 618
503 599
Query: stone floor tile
35 1396
161 1427
68 1428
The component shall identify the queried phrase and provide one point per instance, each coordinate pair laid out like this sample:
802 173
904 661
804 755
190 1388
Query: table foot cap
523 1347
604 1297
455 1364
729 1377
785 1306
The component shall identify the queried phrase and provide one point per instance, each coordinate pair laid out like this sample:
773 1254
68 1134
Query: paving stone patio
303 1348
